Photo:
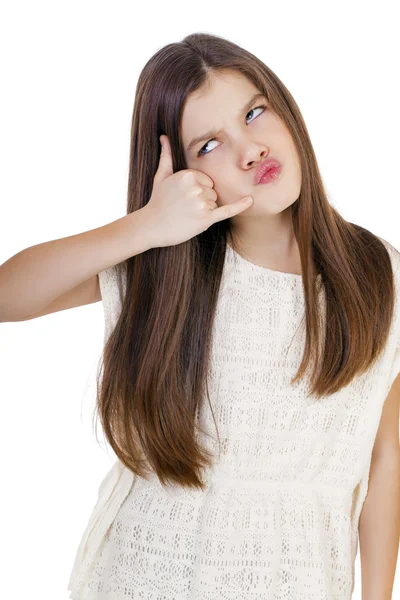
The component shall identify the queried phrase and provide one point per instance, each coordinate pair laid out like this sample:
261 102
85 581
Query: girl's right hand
183 204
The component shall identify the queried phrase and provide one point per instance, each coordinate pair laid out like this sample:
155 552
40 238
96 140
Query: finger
165 168
203 179
230 210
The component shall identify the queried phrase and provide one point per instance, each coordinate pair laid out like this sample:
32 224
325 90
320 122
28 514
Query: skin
264 230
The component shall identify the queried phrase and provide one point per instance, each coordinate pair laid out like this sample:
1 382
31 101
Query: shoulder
393 253
394 337
394 256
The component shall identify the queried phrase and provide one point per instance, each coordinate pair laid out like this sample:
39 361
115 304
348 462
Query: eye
201 153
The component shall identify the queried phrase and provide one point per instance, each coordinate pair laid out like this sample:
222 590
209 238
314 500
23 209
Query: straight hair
153 373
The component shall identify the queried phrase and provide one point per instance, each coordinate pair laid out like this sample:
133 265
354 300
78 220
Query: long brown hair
156 360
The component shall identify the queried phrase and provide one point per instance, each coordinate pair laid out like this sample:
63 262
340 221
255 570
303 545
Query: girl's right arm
64 271
60 274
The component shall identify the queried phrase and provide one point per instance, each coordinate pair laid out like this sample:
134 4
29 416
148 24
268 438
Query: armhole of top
395 260
111 295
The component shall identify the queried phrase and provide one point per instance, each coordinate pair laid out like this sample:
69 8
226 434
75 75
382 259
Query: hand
183 204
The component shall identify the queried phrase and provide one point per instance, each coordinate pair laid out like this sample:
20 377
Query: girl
249 351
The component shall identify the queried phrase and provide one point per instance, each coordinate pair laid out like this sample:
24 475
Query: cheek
189 162
228 183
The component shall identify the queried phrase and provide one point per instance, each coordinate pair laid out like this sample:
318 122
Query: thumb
165 168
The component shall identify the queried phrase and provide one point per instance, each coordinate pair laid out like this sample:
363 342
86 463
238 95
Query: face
242 138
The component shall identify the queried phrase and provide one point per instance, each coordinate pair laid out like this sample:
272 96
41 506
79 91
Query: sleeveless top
279 517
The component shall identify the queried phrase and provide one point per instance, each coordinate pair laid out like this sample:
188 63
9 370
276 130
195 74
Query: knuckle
188 175
203 205
229 210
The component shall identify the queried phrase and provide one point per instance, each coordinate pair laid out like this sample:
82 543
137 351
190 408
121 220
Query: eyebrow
212 133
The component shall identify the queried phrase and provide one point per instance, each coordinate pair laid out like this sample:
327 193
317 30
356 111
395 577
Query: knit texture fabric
279 516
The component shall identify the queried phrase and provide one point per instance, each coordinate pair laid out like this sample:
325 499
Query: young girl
250 351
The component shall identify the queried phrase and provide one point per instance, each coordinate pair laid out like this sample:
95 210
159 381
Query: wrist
149 232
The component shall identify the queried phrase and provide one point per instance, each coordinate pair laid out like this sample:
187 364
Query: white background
69 73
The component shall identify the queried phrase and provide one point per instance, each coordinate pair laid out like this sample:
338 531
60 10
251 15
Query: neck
268 242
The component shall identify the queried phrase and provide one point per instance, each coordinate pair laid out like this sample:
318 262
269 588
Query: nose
255 158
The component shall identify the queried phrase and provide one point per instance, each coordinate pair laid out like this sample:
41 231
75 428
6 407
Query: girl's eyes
201 153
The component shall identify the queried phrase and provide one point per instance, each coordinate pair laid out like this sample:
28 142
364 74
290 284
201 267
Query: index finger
203 178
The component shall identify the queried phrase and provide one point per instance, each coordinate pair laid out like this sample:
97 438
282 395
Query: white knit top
279 516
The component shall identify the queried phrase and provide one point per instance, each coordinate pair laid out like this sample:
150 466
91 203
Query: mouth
269 170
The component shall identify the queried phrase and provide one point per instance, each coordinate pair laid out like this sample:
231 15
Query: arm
35 277
379 524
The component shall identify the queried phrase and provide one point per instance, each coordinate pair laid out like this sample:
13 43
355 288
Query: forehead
220 98
232 87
